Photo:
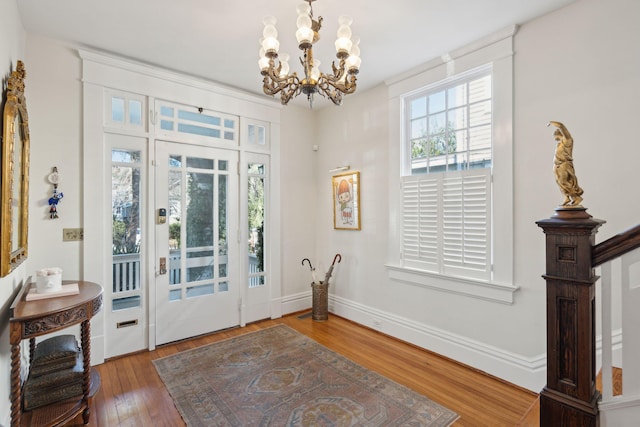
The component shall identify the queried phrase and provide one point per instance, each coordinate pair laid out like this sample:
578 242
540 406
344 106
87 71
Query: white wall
578 65
12 49
299 202
356 134
55 114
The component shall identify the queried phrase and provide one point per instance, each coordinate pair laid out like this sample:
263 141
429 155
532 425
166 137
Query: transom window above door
196 121
125 110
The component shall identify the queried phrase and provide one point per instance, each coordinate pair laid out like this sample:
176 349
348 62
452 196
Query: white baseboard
526 372
296 302
621 411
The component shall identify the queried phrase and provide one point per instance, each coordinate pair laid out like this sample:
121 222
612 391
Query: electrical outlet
72 234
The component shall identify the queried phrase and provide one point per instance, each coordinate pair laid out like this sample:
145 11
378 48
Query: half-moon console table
30 319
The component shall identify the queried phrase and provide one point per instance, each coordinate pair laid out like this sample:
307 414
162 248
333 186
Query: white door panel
256 298
197 285
125 307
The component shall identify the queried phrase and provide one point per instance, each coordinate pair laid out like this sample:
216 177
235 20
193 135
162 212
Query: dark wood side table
30 319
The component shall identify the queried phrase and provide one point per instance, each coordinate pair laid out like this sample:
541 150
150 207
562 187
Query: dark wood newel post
570 397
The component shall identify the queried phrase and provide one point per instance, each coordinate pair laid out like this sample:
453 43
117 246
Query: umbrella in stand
328 275
313 270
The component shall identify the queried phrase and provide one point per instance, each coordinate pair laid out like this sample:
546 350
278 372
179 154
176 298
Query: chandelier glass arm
273 83
337 85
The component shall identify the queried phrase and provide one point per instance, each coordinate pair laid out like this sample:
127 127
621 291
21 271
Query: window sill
489 291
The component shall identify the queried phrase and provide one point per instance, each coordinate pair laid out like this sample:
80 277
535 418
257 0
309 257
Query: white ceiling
218 40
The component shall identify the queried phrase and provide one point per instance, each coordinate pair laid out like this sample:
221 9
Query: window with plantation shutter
452 220
446 196
446 223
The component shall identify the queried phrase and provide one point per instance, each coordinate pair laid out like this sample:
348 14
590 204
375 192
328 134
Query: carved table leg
86 360
16 395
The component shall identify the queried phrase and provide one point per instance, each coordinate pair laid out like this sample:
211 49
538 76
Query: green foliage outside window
441 142
125 237
126 225
174 233
200 212
256 214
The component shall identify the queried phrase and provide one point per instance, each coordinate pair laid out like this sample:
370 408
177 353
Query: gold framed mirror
15 174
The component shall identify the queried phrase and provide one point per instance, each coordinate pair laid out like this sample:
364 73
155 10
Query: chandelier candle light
277 78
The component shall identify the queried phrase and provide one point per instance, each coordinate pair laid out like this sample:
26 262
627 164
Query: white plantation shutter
446 223
466 223
420 219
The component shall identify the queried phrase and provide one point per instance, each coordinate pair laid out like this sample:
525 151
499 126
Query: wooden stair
532 417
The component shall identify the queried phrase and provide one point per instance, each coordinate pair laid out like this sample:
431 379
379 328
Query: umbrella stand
320 296
320 293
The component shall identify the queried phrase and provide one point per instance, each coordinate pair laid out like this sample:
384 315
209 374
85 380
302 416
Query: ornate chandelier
277 78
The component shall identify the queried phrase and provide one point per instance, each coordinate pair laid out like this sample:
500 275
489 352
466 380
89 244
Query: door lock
162 216
163 265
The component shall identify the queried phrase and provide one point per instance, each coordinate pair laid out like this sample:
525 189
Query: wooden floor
132 393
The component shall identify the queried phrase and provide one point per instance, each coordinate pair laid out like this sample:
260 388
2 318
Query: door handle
163 265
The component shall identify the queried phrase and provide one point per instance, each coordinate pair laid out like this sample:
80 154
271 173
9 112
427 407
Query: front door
197 270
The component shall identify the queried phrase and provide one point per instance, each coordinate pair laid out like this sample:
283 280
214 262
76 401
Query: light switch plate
72 234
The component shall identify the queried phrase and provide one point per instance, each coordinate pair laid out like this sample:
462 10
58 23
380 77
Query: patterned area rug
279 377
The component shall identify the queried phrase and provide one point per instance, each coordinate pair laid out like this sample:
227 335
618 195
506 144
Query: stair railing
619 258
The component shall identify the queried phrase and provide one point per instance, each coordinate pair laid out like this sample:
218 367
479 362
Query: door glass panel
126 302
126 228
200 228
199 163
222 226
256 176
199 210
199 265
198 291
175 294
195 225
174 213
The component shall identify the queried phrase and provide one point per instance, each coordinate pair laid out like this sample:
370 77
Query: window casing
492 56
446 190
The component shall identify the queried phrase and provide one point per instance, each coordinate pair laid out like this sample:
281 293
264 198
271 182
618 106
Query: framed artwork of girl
346 201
